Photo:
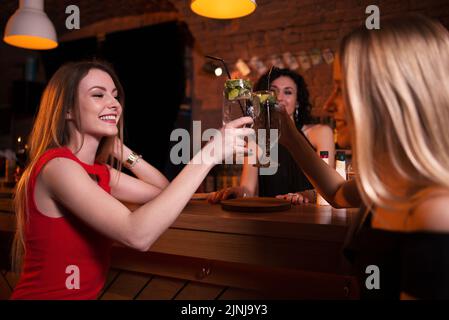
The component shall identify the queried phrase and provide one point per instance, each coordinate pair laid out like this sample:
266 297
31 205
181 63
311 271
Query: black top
288 178
416 263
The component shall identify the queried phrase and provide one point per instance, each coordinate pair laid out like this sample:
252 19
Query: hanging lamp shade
29 27
223 9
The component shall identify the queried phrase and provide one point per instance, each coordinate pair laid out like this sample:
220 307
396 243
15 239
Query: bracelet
132 160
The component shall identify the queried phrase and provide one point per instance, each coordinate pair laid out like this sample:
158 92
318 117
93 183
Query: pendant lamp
29 27
223 9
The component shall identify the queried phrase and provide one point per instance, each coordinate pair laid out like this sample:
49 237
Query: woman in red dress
69 199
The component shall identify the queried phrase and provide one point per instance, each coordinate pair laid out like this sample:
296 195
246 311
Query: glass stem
269 127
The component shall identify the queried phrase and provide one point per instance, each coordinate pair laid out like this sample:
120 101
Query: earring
297 112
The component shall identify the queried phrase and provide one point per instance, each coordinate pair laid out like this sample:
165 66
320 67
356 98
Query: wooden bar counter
209 253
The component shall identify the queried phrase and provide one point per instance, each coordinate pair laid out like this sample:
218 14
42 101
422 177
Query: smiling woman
69 210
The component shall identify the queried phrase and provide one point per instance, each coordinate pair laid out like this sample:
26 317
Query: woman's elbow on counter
139 243
142 248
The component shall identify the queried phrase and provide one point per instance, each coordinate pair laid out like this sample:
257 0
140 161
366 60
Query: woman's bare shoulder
319 134
61 171
60 164
317 129
432 212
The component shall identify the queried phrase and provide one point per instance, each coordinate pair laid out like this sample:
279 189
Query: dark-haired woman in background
288 182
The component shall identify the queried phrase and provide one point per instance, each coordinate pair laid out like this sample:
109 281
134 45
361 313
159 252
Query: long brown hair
50 130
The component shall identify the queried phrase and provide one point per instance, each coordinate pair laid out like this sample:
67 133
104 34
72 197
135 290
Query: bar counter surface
210 253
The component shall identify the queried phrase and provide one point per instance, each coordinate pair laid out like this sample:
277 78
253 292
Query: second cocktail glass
268 119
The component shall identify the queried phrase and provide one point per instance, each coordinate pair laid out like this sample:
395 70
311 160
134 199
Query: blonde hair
50 130
396 83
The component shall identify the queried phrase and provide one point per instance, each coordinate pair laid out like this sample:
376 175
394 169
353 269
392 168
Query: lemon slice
234 93
263 97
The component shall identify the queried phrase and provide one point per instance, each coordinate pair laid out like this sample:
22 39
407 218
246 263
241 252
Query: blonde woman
392 101
69 202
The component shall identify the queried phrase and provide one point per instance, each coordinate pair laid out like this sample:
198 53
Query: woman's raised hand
228 141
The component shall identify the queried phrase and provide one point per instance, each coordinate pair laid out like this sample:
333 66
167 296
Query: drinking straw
224 64
268 118
229 76
269 77
268 126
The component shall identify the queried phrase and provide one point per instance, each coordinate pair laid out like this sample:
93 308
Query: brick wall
277 26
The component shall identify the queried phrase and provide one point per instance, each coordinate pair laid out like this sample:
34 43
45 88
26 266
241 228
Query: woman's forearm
146 172
153 218
337 191
248 179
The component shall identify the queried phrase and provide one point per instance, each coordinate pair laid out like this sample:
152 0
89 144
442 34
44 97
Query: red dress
65 258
